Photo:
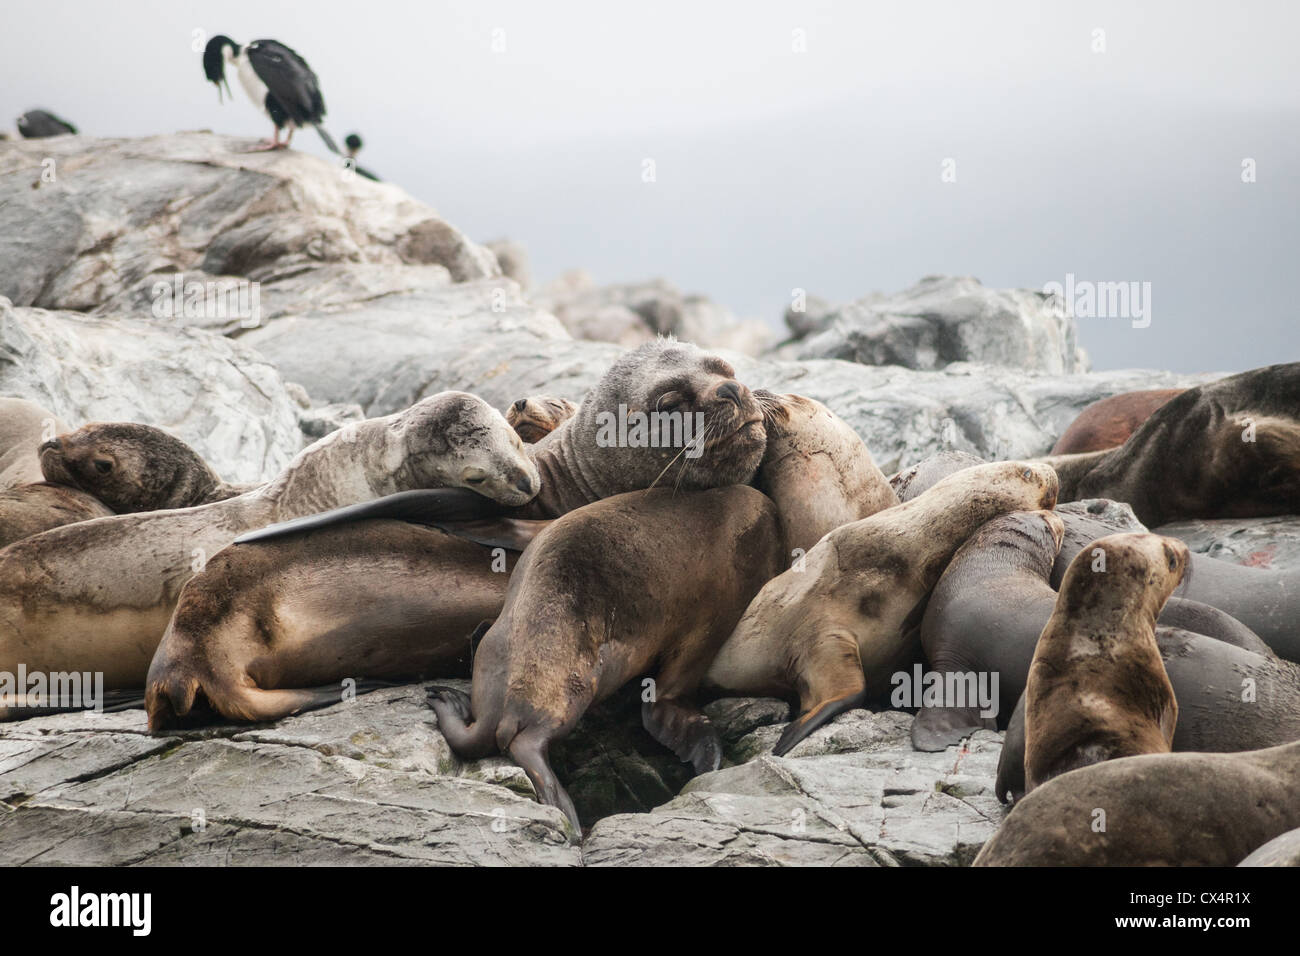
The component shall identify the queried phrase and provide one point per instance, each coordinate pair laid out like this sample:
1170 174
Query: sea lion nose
731 392
54 444
521 404
525 484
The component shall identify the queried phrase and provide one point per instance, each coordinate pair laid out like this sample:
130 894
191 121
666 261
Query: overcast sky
778 168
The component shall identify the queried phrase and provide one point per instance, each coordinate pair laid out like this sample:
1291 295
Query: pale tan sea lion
97 596
24 426
830 630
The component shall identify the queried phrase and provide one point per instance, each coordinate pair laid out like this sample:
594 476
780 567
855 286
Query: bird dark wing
289 79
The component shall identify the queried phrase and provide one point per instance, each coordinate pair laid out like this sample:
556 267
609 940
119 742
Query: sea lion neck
565 484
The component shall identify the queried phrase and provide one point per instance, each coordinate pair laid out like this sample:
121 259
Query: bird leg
269 144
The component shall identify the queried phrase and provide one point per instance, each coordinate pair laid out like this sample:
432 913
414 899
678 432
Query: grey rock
942 320
217 395
1258 542
1280 851
123 214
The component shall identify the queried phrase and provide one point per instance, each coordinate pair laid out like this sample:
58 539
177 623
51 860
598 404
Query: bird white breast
252 83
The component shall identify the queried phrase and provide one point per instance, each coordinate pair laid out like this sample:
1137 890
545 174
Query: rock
370 781
939 321
123 214
1280 851
631 313
317 421
853 794
421 342
215 394
512 257
1257 542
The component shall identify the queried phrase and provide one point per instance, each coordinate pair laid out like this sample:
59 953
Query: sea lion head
1028 484
536 417
1021 539
454 439
1124 573
669 414
129 467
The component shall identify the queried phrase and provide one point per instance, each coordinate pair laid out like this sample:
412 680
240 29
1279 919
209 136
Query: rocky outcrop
1259 542
223 399
91 225
937 322
628 314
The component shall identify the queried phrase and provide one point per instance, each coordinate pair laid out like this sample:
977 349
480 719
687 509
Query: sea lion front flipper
1010 782
513 534
937 728
427 506
830 682
685 731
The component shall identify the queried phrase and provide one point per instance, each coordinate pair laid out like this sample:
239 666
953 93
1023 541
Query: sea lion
1196 809
831 629
817 469
30 509
993 601
928 472
1265 600
24 426
1229 449
263 625
97 596
109 468
536 417
605 450
1229 698
1097 687
1279 851
633 585
1108 422
133 468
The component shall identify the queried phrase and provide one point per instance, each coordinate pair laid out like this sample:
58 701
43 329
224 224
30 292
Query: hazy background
775 169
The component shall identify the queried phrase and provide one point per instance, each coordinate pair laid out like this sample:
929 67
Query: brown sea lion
1229 449
648 583
133 468
536 417
831 629
267 630
31 509
24 426
1229 698
817 469
993 601
97 596
1108 422
605 448
1097 687
1196 809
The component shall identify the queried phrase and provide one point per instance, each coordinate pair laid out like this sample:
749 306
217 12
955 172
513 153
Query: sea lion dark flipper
685 731
427 506
831 683
513 534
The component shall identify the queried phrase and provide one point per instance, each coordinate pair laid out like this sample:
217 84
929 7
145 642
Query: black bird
352 142
276 79
38 124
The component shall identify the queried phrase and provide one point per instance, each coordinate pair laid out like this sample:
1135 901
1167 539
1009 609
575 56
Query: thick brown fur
1195 809
1097 686
31 509
1109 422
645 584
1230 449
536 417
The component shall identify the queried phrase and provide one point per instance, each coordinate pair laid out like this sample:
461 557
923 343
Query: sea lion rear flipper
513 534
1010 782
685 731
427 506
937 728
830 682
